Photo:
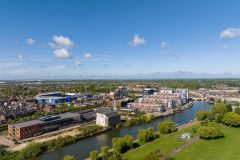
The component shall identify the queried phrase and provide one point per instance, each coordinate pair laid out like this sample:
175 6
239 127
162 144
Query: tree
232 119
151 135
142 135
201 115
118 145
167 127
94 155
210 131
114 156
128 141
237 110
104 151
121 145
219 110
147 135
69 157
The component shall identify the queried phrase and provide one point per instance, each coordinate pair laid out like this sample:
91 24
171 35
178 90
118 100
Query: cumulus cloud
63 41
230 33
30 41
87 55
137 40
62 53
77 62
164 45
20 56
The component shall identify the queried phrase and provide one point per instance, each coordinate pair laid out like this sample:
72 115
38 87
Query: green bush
147 135
201 115
232 119
167 127
219 110
94 155
121 145
69 157
210 131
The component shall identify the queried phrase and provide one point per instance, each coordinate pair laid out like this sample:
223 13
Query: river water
81 149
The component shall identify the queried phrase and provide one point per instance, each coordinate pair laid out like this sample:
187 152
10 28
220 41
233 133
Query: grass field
166 144
227 148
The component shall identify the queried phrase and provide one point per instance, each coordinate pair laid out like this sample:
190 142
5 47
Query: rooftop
41 120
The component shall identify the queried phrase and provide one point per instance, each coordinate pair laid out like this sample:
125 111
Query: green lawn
227 148
165 144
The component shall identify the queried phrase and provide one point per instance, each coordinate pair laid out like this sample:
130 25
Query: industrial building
107 118
20 131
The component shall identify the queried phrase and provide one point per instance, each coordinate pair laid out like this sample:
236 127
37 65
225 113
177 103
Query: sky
93 39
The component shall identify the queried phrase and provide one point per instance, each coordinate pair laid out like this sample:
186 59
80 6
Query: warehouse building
20 131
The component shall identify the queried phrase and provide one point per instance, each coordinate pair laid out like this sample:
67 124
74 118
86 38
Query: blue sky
67 39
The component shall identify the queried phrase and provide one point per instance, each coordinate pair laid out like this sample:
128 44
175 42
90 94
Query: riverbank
89 144
166 144
180 128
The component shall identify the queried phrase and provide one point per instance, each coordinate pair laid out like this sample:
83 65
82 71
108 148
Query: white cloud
164 45
87 55
77 62
225 46
20 56
137 40
63 41
30 41
230 33
62 53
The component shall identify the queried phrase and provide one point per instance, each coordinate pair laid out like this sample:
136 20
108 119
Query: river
81 149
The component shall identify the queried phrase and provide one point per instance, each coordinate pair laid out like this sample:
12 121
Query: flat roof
36 122
28 123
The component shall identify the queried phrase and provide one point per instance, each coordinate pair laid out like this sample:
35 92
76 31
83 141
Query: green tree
212 130
69 157
232 119
104 151
201 115
94 155
142 135
167 127
237 110
219 110
128 141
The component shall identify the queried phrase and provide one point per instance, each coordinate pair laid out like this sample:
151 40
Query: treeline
221 113
139 120
126 143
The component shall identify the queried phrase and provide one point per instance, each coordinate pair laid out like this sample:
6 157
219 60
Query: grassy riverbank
217 149
166 144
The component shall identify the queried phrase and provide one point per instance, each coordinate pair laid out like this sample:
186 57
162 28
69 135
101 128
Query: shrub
167 127
69 157
121 145
232 119
202 115
94 155
210 131
237 110
104 151
219 110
